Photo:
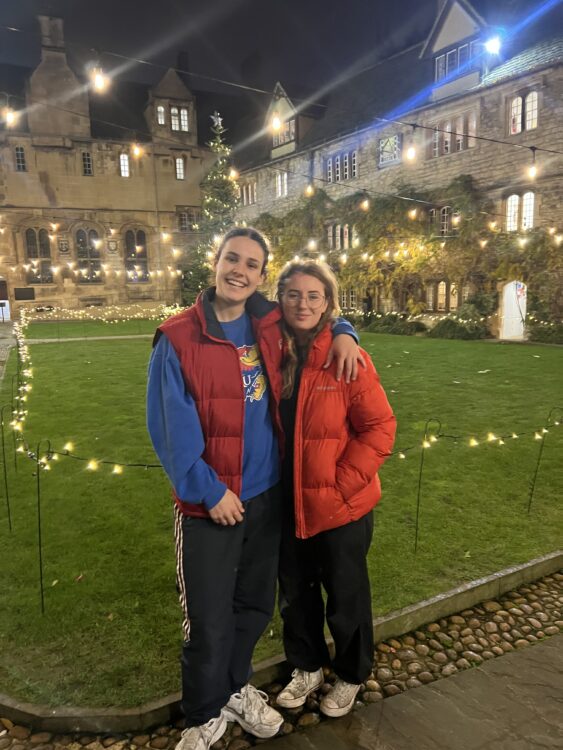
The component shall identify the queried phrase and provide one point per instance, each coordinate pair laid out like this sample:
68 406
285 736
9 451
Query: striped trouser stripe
180 580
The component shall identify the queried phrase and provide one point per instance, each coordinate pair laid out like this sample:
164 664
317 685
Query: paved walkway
512 703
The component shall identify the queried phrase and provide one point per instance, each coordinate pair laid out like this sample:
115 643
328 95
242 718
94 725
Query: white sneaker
340 699
250 709
302 685
204 735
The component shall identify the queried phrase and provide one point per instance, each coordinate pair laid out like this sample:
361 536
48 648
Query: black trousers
335 560
227 583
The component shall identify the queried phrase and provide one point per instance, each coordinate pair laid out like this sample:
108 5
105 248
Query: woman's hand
347 354
228 511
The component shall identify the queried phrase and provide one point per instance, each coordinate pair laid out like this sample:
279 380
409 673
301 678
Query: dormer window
160 115
456 61
286 134
174 118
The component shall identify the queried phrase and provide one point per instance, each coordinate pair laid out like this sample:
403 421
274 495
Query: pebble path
515 621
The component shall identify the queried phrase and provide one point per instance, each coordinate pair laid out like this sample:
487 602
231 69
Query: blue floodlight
492 45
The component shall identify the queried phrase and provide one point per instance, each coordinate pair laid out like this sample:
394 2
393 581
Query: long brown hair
323 273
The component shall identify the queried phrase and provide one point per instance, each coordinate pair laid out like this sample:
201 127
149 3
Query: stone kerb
116 720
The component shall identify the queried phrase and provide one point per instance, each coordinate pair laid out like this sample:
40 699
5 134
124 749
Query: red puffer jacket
343 434
211 368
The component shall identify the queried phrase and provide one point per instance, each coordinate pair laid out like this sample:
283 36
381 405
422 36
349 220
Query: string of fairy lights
46 460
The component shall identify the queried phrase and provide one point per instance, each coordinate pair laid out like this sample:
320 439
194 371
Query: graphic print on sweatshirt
253 378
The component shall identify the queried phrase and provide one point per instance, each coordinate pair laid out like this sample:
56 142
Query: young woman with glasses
336 439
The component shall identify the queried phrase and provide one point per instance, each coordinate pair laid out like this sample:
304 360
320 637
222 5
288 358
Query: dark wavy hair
252 234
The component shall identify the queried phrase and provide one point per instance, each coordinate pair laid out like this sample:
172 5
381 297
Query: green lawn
110 634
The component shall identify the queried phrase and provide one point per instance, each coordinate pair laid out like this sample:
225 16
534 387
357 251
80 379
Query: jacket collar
257 306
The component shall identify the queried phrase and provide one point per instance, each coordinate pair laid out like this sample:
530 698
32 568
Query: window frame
184 120
87 164
523 111
39 260
20 159
180 167
88 256
174 119
392 145
124 165
161 114
133 259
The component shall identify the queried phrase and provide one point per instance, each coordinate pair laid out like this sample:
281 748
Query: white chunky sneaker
295 693
204 735
340 699
250 709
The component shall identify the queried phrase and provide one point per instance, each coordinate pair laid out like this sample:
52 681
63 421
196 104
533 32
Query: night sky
258 41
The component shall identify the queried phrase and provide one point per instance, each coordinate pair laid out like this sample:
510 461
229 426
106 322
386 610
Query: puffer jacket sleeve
373 426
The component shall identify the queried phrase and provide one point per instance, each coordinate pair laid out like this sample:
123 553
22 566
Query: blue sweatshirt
173 421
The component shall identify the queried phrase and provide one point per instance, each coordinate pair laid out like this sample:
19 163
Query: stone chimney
52 33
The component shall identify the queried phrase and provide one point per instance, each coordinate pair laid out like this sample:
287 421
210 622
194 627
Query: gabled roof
539 56
442 16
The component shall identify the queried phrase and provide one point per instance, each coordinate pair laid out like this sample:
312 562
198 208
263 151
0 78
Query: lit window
124 165
516 115
389 150
183 221
353 298
160 115
20 159
451 62
337 168
436 143
430 296
354 169
174 118
512 209
528 210
180 168
286 134
254 191
329 169
445 220
87 165
442 296
454 297
281 185
345 167
471 129
440 71
136 261
463 56
447 139
330 236
459 133
531 107
89 265
346 237
337 237
38 255
184 119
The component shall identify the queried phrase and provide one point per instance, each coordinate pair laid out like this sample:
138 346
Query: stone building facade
99 191
470 108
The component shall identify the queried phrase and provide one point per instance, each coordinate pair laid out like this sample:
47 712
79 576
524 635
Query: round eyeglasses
313 300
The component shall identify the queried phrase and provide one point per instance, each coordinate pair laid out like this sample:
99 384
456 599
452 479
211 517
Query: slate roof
541 55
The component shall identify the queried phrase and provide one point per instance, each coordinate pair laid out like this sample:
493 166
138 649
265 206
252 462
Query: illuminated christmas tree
220 196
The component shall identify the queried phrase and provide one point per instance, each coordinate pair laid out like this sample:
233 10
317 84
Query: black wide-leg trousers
336 561
227 581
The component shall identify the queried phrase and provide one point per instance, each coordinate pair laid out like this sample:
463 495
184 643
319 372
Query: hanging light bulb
137 150
364 205
412 213
309 191
100 81
276 122
410 153
10 117
312 245
233 174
